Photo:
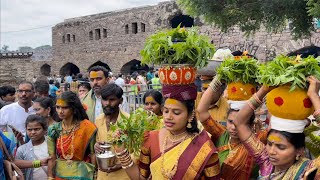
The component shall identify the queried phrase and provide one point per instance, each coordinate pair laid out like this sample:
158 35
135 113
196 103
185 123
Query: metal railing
132 92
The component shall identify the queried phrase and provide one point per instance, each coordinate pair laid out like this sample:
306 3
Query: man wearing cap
219 109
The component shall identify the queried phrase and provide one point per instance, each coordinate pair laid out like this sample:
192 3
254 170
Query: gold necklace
232 151
170 173
68 131
177 138
68 157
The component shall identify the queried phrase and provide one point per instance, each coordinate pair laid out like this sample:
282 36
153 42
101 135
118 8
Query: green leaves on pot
244 70
177 46
284 69
130 130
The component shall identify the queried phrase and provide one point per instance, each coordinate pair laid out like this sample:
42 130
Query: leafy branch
130 130
245 70
251 15
177 46
283 70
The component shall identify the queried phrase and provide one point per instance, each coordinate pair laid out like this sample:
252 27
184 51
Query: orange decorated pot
238 91
294 105
177 74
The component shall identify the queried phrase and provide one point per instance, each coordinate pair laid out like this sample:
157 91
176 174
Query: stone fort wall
111 37
115 38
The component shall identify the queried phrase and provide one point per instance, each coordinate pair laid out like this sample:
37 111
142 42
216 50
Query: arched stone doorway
306 51
132 66
69 69
184 20
99 63
45 70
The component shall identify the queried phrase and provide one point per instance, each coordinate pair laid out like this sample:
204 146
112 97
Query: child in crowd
33 156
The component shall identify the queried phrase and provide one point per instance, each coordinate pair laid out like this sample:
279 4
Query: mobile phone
15 131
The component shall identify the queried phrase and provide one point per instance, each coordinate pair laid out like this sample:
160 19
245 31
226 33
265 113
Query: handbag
12 171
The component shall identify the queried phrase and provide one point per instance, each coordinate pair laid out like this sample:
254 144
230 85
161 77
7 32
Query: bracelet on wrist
36 163
257 98
121 153
316 113
128 166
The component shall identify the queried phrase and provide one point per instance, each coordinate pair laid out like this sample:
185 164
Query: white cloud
29 22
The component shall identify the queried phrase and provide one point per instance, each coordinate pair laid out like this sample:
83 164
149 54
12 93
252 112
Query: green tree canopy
250 15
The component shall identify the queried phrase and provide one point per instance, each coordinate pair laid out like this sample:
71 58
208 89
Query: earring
189 124
190 120
298 157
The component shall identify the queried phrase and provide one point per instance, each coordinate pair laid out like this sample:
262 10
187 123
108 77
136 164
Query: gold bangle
215 84
316 113
254 103
129 166
250 105
257 99
122 152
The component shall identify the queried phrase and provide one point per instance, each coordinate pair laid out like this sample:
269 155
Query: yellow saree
198 158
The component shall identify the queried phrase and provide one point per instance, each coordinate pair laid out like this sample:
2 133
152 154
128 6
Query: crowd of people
56 133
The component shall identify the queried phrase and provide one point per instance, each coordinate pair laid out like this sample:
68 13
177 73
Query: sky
29 22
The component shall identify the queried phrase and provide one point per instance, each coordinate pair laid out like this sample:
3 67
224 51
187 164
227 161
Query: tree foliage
250 15
5 48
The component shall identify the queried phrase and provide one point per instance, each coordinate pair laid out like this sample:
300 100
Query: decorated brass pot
238 91
294 105
177 74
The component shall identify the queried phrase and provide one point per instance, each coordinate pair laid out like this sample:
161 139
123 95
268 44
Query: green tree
250 15
5 48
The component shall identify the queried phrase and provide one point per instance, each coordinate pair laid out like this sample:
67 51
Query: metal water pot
107 159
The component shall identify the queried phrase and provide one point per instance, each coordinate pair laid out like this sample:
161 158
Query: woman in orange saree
71 141
235 161
177 151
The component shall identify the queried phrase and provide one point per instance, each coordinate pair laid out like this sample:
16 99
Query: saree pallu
313 139
198 158
301 169
235 163
83 142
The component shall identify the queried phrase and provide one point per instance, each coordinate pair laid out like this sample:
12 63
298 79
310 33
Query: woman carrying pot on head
235 160
177 151
71 141
45 107
282 157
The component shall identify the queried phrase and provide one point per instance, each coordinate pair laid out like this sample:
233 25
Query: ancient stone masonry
15 55
114 40
15 68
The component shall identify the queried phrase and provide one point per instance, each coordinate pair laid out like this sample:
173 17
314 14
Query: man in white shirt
15 114
119 81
